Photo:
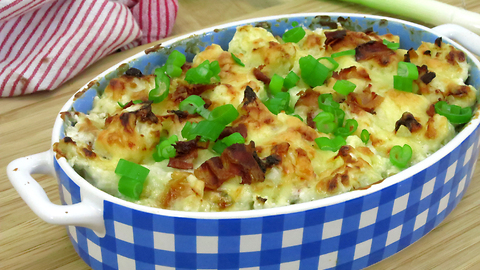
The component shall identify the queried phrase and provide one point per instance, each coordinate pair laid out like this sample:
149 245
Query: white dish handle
465 37
83 214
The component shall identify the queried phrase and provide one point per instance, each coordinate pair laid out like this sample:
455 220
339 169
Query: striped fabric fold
43 43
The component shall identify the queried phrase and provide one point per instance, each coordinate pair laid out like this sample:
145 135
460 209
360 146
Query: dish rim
86 186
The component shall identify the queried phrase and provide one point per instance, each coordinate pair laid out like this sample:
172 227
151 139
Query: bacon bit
427 52
184 91
438 42
334 37
281 149
259 75
145 114
351 73
134 72
248 96
237 159
458 90
345 153
69 140
260 199
178 188
431 132
453 55
272 160
428 77
241 128
89 153
186 66
187 152
310 121
411 54
409 121
431 110
182 115
374 50
366 100
308 98
125 121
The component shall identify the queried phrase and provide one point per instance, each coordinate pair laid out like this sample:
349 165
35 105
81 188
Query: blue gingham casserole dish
348 231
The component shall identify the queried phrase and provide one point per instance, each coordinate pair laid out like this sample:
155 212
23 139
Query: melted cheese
305 173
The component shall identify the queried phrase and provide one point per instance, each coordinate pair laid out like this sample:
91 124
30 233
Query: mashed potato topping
281 162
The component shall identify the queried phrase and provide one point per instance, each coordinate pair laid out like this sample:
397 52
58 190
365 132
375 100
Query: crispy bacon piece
425 75
345 153
182 115
187 152
455 56
260 75
184 91
134 72
438 42
409 121
366 100
308 98
310 121
374 50
281 149
427 52
431 110
411 54
350 73
237 159
248 96
145 114
334 37
241 128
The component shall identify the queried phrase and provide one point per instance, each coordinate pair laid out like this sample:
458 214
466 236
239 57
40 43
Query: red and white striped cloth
43 43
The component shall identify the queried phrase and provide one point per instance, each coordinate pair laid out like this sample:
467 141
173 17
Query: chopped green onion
176 58
138 101
365 136
313 72
186 130
407 70
224 114
325 122
326 103
334 64
233 139
237 60
339 115
130 188
402 83
344 87
343 53
194 104
298 116
400 156
294 35
203 73
165 150
455 114
291 80
279 102
327 144
349 128
162 86
294 24
391 45
219 147
174 71
131 170
207 130
276 84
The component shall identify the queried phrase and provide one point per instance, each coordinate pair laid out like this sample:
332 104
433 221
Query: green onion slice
350 127
343 53
365 136
334 64
191 104
407 70
402 83
203 73
173 71
294 35
131 170
313 72
400 156
207 130
344 87
327 104
276 84
162 86
391 45
291 80
224 114
333 145
455 114
237 60
176 58
279 102
130 188
325 122
165 150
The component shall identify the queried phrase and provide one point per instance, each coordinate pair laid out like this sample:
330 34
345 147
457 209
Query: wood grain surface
27 242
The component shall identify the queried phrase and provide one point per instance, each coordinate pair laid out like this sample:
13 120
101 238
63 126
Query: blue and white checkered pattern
348 235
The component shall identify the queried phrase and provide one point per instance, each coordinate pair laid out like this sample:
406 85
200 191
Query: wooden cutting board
26 242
